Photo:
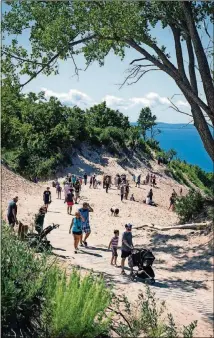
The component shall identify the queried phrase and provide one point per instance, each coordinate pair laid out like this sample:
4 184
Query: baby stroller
39 241
143 259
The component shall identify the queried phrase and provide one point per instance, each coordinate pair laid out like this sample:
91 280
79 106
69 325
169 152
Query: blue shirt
77 225
85 214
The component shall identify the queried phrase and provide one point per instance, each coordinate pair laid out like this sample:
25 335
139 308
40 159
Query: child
114 245
132 198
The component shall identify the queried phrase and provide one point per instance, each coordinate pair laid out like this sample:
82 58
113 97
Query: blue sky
102 83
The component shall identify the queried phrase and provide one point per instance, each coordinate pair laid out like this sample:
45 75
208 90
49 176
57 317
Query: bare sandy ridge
183 267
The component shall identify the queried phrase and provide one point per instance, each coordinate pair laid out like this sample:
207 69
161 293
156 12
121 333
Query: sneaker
123 273
81 244
86 244
75 251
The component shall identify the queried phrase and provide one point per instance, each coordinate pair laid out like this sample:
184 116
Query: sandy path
179 282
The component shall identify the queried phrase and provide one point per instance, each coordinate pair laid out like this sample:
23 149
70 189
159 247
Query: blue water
186 141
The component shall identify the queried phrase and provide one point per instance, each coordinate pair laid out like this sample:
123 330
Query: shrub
189 206
21 280
148 319
76 307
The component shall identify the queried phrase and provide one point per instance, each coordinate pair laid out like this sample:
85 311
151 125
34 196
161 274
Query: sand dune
183 266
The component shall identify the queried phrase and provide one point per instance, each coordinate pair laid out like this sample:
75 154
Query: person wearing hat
127 246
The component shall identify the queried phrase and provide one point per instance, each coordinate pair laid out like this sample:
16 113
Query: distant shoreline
185 140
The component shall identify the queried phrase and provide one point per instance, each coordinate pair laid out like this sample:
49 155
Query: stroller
143 259
39 241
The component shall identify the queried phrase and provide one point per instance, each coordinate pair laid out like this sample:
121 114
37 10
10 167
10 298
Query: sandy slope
183 267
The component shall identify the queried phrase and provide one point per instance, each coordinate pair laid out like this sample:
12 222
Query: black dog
115 211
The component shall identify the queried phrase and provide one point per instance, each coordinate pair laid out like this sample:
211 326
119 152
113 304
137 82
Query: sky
103 83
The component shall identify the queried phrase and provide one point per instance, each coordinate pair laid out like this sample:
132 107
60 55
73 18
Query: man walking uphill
12 212
84 212
127 246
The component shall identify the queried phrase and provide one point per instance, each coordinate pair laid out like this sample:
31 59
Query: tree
146 121
61 30
101 116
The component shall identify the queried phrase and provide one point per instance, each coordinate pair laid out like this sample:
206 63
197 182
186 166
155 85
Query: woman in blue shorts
76 226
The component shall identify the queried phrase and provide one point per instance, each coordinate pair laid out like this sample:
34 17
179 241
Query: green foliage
22 275
36 297
149 319
187 174
75 306
189 206
146 121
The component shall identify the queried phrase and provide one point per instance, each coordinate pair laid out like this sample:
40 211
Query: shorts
69 204
86 228
11 219
125 254
46 201
77 233
114 252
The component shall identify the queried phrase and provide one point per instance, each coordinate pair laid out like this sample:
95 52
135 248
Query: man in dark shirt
12 212
127 246
47 197
85 178
77 190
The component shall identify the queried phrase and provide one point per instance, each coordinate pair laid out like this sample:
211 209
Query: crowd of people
80 224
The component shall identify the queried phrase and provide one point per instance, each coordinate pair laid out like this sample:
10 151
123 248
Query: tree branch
72 44
192 74
136 60
22 59
178 49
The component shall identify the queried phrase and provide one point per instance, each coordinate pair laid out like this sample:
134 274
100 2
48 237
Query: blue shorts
86 228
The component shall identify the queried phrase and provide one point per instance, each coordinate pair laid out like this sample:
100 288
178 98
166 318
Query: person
132 198
58 190
133 178
151 178
154 181
12 212
147 178
172 202
174 193
107 183
70 201
138 181
91 181
127 247
47 197
122 192
39 219
114 246
150 195
74 179
127 191
76 226
119 181
94 181
66 189
181 192
85 178
84 212
77 191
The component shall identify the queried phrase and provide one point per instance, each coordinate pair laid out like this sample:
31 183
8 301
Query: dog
114 211
22 230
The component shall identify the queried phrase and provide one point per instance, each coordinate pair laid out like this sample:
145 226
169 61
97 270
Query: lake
185 140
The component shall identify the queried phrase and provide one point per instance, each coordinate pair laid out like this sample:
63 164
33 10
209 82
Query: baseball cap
128 226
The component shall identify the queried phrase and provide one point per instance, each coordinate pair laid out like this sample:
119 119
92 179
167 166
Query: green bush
22 275
148 319
76 307
37 298
189 206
